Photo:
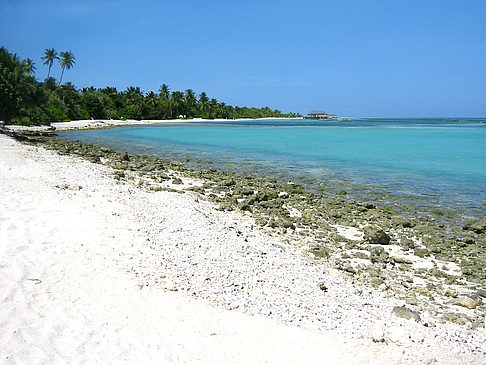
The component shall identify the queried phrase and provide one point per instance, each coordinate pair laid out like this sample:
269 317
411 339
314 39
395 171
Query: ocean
427 165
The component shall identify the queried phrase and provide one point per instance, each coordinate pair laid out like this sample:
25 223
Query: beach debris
406 313
323 287
35 280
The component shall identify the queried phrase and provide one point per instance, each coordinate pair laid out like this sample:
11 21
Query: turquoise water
423 163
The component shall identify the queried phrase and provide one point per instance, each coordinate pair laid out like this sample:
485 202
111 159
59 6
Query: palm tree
28 66
152 99
49 56
176 103
165 102
213 103
202 103
190 102
67 61
164 91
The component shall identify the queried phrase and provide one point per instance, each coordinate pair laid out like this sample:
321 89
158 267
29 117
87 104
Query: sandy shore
95 270
107 123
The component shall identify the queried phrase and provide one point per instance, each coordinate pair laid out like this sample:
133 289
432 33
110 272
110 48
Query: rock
377 250
265 196
350 269
397 334
125 157
400 259
404 312
477 226
376 281
244 206
430 360
176 181
468 241
481 293
467 302
229 182
377 237
119 173
377 334
458 318
421 252
261 221
323 287
273 223
246 191
406 223
451 292
320 252
378 254
361 255
407 243
285 223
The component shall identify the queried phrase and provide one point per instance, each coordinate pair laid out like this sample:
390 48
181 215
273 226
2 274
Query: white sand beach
107 123
99 271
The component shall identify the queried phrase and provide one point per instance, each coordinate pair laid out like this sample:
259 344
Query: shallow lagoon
430 165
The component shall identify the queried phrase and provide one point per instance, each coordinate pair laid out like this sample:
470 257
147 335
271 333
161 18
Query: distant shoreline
111 123
108 123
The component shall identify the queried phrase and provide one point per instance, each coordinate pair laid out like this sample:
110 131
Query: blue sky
349 57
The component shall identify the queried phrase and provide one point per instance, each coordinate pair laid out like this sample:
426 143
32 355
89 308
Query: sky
374 58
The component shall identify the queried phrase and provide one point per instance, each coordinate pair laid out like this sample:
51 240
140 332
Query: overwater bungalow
318 114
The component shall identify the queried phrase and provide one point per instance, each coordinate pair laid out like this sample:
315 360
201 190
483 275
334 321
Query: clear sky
349 57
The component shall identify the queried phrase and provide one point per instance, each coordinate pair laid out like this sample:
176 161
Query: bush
57 114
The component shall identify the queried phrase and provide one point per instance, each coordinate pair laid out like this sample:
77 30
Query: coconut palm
49 56
202 103
164 91
28 66
152 100
67 61
177 103
190 103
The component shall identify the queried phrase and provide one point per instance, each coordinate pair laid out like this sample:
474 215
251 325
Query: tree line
28 101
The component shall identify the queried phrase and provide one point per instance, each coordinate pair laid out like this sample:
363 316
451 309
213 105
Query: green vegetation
27 101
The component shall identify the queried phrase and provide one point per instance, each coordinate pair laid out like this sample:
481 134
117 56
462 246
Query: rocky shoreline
435 273
414 258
